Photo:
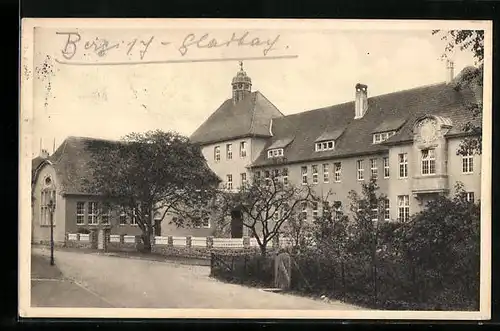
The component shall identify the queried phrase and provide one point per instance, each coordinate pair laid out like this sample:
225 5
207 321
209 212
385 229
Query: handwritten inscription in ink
74 44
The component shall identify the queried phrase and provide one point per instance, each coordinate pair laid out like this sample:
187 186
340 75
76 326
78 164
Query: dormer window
325 146
277 152
382 136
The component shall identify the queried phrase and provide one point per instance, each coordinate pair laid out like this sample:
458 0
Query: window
267 175
304 175
243 149
46 196
428 162
133 221
403 165
325 146
123 218
217 153
80 212
229 182
257 175
304 209
243 177
105 216
315 209
374 214
276 175
469 196
373 167
468 163
314 170
206 223
229 151
387 210
381 137
276 213
338 171
275 152
285 176
403 208
386 167
92 213
338 210
361 170
326 174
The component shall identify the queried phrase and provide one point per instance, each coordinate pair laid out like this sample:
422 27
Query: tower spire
241 85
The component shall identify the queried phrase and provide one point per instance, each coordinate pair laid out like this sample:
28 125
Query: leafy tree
444 241
266 205
471 41
153 172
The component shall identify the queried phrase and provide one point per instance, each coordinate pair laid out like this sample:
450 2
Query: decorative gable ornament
430 128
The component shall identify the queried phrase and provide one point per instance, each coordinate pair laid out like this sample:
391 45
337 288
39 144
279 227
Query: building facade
408 140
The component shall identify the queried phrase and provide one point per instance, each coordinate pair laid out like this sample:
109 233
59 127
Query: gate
282 271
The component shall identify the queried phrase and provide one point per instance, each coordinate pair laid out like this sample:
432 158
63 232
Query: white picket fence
72 236
114 238
198 241
254 243
84 237
161 240
129 239
228 243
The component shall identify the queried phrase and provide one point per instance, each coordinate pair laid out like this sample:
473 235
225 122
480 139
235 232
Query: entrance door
236 224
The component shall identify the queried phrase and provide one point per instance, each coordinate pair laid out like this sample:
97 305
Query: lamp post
52 207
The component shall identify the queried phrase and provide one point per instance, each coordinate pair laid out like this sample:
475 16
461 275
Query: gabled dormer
387 129
326 141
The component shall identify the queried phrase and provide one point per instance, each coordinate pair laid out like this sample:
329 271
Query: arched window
47 194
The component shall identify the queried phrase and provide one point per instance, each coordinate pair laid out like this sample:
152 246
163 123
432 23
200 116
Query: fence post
188 241
170 241
212 255
210 242
246 242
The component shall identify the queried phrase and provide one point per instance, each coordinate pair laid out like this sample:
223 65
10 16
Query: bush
243 268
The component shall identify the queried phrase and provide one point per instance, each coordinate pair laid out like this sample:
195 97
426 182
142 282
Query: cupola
241 84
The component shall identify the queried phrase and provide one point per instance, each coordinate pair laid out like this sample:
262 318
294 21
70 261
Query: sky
109 101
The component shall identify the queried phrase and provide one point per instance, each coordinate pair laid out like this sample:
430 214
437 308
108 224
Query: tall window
123 217
285 176
386 167
403 208
229 182
360 170
374 214
46 196
276 175
387 210
243 177
304 209
206 223
314 170
80 212
267 175
304 175
468 163
338 171
338 211
217 153
229 151
373 168
428 162
403 165
105 216
315 209
326 173
243 149
133 220
92 212
470 196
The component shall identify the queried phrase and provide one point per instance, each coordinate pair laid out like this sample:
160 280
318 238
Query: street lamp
52 207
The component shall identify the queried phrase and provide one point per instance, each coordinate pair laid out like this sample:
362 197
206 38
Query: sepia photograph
207 168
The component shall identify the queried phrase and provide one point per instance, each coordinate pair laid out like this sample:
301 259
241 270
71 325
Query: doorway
236 224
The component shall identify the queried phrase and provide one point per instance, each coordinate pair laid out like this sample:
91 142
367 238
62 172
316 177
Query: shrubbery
430 262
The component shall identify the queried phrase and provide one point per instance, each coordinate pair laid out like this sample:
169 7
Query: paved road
108 281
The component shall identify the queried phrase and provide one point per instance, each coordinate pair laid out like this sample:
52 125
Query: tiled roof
383 111
249 117
72 162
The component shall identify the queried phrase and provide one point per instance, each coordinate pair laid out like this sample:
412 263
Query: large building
408 140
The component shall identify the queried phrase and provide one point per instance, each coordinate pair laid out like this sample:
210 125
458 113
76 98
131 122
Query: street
92 280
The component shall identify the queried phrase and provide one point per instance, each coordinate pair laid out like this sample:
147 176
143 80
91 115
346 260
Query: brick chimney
361 101
450 68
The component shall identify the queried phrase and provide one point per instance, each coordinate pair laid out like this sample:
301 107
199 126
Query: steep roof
398 109
249 117
72 162
35 163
